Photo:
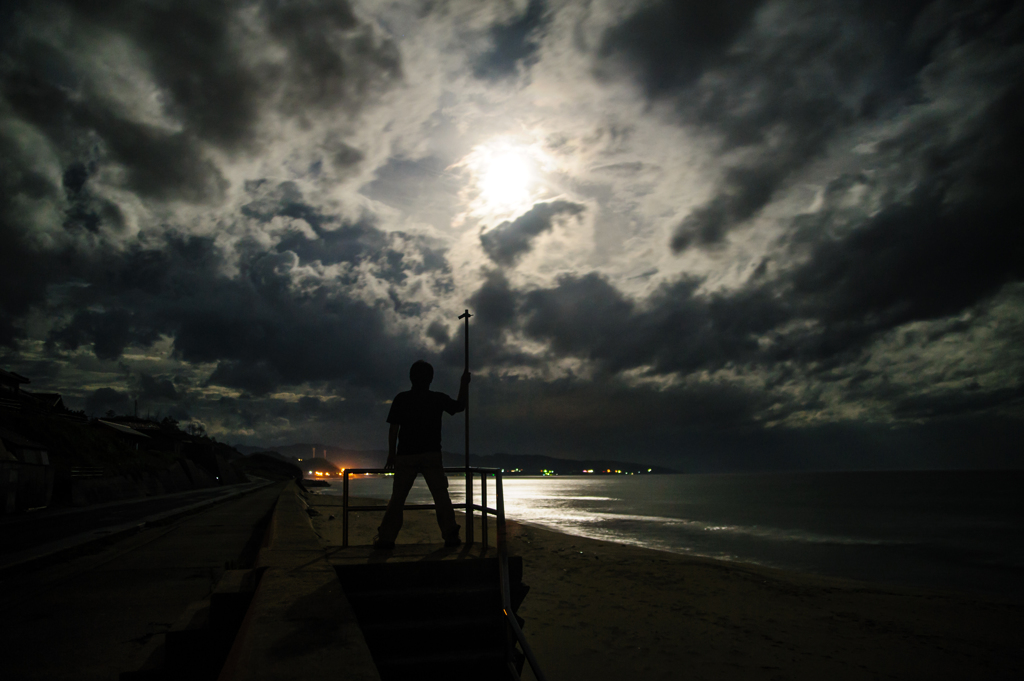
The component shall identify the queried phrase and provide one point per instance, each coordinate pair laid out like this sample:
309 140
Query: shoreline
724 563
604 610
936 586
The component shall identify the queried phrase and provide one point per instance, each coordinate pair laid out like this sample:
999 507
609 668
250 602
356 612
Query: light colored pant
406 468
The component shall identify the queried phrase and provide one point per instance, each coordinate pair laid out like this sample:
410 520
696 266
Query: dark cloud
256 378
495 303
779 91
929 257
959 402
335 60
267 334
344 155
20 284
160 164
438 333
583 316
192 56
310 404
676 329
341 241
669 45
213 95
508 241
282 199
514 44
951 243
109 332
495 308
86 211
208 87
157 388
743 193
259 329
103 400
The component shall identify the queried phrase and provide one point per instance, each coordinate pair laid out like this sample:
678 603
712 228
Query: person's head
421 374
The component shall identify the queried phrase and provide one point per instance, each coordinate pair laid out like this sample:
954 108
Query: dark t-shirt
418 412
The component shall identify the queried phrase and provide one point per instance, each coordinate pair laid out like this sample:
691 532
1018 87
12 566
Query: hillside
513 464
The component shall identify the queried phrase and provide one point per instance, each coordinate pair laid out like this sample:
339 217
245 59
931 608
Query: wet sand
598 610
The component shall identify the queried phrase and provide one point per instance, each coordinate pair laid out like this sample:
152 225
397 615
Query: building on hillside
164 436
14 398
10 389
10 383
52 401
23 449
26 477
129 436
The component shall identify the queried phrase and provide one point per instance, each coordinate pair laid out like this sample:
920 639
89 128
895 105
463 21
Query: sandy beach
600 610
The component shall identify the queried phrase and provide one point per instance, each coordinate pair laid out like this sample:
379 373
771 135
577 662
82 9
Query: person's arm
460 401
392 446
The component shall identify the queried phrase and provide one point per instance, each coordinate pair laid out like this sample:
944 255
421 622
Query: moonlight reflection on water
961 531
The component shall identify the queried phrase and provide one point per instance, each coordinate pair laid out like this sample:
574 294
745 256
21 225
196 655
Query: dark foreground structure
246 589
426 615
435 611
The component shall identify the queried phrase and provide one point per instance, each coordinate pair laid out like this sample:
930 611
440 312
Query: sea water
937 529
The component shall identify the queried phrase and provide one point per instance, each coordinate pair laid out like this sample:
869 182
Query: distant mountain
530 464
339 456
513 464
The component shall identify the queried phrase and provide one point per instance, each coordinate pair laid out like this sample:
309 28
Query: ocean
935 529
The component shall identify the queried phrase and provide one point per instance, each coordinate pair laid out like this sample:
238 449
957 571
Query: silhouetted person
414 446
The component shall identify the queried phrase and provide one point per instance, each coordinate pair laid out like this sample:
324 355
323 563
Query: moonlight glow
505 178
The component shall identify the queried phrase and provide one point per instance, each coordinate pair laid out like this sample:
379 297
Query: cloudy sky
725 236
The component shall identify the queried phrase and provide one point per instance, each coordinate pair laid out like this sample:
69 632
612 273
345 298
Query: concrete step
195 646
231 597
408 606
458 665
423 637
149 664
416 574
189 645
436 619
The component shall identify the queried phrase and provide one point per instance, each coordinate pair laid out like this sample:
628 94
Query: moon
505 180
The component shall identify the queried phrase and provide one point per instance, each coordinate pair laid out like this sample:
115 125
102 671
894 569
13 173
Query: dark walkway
89 618
25 531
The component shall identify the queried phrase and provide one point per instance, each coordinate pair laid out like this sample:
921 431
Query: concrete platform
299 625
71 531
90 617
406 553
99 612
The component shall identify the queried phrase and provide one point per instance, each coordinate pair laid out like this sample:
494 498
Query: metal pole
344 510
483 513
469 477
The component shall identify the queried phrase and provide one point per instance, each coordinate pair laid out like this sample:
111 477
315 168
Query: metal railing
485 510
468 505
